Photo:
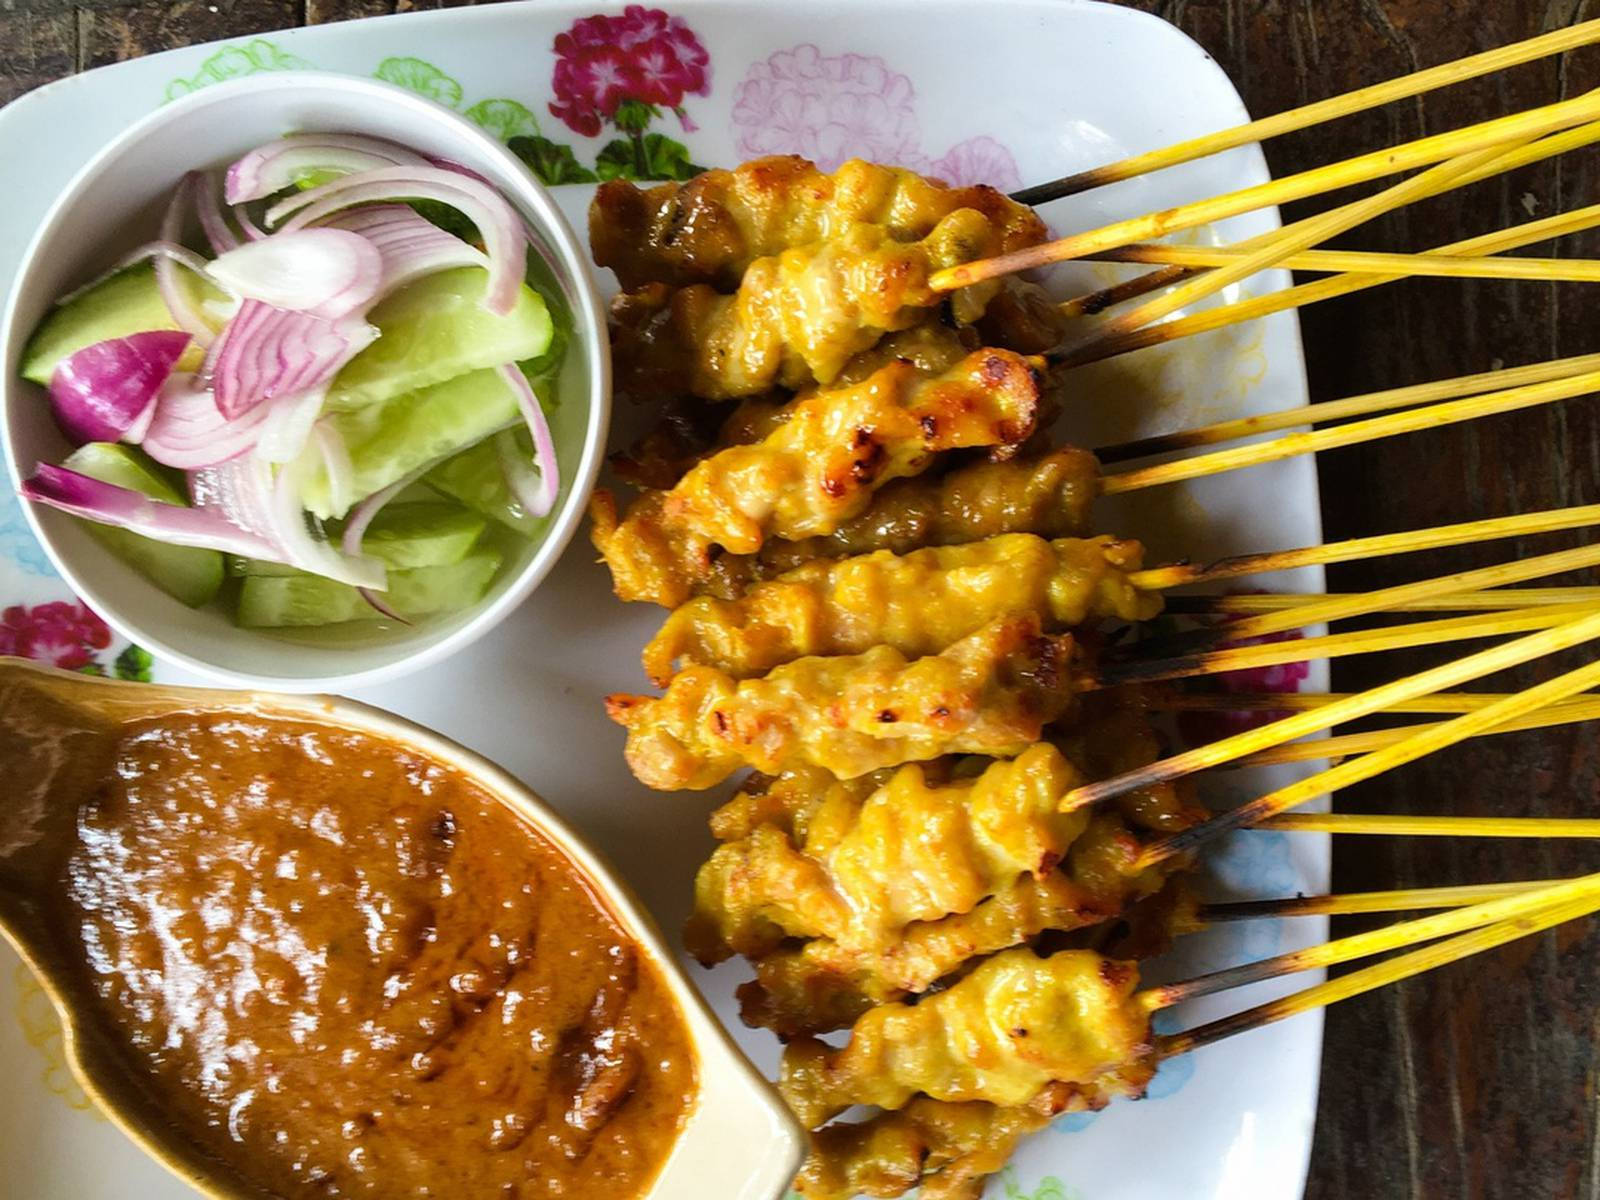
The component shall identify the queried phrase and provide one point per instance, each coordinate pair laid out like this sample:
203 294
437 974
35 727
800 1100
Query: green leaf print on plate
422 77
551 162
1050 1188
235 61
133 663
651 156
505 119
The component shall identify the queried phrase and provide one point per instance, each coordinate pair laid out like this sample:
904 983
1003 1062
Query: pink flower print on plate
59 633
644 55
1200 727
828 109
978 160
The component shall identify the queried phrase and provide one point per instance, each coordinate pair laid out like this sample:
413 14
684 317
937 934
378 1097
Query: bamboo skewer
1438 702
1569 713
1374 546
1494 243
1368 262
1417 745
1292 444
1391 971
1389 825
1490 600
1291 240
1349 103
1223 316
1376 941
1355 903
1348 708
1424 152
1115 673
1343 607
1354 406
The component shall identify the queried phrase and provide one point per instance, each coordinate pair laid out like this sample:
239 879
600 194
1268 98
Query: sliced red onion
288 426
336 461
292 530
187 318
497 222
214 224
241 490
125 508
269 169
247 225
328 273
355 528
162 250
535 490
266 353
188 432
409 245
107 392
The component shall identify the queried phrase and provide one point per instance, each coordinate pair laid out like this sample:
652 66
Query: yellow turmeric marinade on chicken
712 228
1051 495
798 317
1003 1034
947 1149
990 693
917 603
773 825
914 850
813 472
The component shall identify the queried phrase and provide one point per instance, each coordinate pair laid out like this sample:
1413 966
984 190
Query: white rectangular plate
1006 92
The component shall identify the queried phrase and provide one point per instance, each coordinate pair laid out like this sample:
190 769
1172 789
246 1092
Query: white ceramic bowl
114 204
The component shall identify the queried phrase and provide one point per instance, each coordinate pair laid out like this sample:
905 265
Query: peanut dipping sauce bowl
57 730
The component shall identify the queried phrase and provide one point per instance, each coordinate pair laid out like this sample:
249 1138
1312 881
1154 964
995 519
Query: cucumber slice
127 302
388 441
474 478
423 535
187 573
278 601
403 536
435 329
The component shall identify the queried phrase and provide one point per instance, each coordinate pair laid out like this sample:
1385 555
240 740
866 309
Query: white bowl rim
589 331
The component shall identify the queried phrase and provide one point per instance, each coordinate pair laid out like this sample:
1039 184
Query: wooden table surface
1478 1081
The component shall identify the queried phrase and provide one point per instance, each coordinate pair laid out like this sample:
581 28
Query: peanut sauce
349 971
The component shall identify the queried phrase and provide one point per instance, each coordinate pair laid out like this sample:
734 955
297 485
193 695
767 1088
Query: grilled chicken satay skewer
712 228
796 318
1020 1022
922 601
814 472
991 693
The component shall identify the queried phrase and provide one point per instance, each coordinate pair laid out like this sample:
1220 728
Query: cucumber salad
336 411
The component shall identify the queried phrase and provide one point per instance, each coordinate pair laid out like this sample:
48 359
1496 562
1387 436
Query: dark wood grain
1481 1081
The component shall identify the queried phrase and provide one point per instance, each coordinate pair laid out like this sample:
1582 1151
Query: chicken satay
991 693
1016 1025
918 603
1051 496
813 472
948 1150
710 229
797 318
912 851
821 985
689 429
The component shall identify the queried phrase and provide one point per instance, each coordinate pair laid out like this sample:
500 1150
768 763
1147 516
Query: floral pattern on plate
831 108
